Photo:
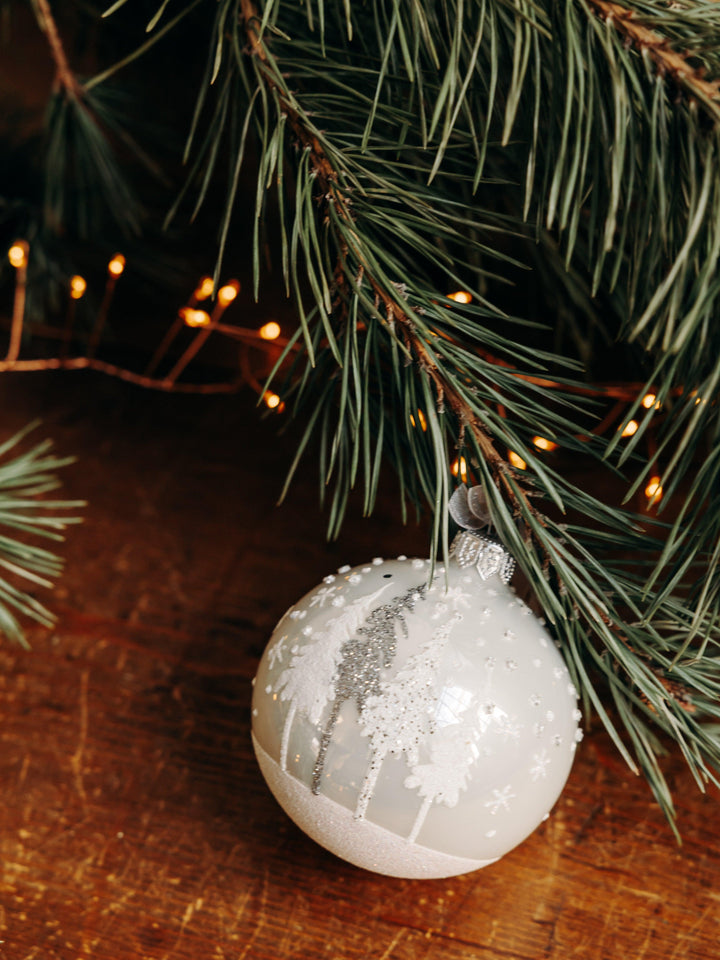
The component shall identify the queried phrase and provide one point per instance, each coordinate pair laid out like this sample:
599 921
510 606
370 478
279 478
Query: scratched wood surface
134 824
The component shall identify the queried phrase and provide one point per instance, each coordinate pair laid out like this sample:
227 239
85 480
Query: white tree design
452 755
308 681
401 717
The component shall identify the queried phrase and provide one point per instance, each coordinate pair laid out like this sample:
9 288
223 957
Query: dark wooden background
134 824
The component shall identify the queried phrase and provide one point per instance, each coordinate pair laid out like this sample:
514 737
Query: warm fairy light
116 265
78 286
516 460
227 294
458 468
194 318
460 296
270 331
205 288
18 254
273 401
542 444
630 428
420 419
648 400
654 490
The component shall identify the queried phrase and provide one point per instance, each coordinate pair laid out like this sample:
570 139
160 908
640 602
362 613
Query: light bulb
194 318
116 265
542 444
273 401
516 460
458 468
205 288
227 294
270 331
78 286
654 490
630 428
460 296
648 400
18 254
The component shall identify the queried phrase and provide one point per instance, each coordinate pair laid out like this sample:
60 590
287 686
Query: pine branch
414 149
668 60
25 478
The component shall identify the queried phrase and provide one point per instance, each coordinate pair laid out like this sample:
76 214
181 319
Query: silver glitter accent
358 675
577 715
355 578
344 568
535 700
488 556
330 578
511 664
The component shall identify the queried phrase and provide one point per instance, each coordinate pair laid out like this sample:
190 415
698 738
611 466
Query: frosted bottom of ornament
360 842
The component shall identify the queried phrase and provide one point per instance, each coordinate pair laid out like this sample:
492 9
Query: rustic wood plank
134 822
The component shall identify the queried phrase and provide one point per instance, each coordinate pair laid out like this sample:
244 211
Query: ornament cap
488 556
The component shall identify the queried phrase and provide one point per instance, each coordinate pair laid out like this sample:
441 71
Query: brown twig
64 77
669 61
92 363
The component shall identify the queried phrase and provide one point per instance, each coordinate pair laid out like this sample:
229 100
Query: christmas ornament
415 728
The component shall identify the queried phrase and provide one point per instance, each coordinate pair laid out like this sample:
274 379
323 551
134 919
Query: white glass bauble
415 729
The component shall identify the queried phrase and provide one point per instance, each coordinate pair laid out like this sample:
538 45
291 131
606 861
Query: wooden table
135 824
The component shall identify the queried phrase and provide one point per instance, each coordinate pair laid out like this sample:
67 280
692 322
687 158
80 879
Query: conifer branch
669 61
64 76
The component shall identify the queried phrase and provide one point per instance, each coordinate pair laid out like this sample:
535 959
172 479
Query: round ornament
415 728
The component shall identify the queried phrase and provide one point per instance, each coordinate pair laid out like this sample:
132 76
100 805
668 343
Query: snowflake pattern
323 594
500 800
457 597
539 770
276 651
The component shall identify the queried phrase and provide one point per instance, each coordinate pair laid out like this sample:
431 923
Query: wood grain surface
134 824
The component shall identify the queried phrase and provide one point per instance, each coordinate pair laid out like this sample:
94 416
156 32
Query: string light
421 420
116 265
648 400
18 254
516 460
205 288
227 294
460 296
542 444
273 401
630 428
270 331
78 286
458 468
654 490
18 257
194 318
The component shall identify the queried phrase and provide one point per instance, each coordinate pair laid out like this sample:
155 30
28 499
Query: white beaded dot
344 568
330 578
377 561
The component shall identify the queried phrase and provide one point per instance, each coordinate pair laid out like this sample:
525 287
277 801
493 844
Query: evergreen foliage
25 478
558 159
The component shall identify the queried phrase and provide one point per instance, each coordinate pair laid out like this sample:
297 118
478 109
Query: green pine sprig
26 514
